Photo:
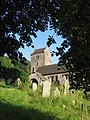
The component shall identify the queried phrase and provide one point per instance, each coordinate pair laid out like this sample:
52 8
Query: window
37 57
56 78
32 69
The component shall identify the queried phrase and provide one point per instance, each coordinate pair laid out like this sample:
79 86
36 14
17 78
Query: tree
73 24
19 18
69 18
5 61
10 72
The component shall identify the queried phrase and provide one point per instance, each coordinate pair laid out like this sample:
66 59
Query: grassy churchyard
24 104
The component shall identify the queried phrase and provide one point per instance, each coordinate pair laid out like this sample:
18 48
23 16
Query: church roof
38 51
51 69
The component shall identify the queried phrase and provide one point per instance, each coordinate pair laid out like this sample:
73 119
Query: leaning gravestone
56 92
46 89
34 86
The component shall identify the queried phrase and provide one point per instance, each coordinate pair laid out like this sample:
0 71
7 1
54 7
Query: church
43 70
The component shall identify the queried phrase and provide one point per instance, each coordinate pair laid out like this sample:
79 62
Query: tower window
33 69
37 57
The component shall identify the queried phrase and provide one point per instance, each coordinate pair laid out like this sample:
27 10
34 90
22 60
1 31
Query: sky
40 42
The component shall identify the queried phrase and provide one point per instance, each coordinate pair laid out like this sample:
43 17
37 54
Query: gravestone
34 86
73 102
46 89
56 92
66 86
18 82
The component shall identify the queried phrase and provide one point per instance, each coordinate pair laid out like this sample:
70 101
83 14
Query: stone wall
47 57
36 61
40 59
43 59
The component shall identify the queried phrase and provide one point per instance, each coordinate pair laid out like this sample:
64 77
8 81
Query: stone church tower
40 57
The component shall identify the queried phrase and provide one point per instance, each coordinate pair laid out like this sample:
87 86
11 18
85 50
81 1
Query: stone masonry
43 70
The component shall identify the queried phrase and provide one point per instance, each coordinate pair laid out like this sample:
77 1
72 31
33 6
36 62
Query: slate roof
51 69
38 51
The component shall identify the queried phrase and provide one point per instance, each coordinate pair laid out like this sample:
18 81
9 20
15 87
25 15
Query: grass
17 104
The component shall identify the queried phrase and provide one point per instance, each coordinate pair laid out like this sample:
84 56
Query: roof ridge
47 65
51 69
37 51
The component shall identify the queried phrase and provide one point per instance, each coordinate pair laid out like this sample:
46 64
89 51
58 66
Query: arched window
33 69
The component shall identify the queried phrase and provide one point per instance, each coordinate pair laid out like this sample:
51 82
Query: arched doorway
34 84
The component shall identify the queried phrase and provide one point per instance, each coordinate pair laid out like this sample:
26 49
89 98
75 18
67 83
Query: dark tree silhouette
69 18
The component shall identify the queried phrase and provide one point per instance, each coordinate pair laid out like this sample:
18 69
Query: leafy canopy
10 72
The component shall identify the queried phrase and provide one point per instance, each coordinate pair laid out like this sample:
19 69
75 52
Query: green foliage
2 82
5 61
24 76
27 104
10 72
59 86
50 41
